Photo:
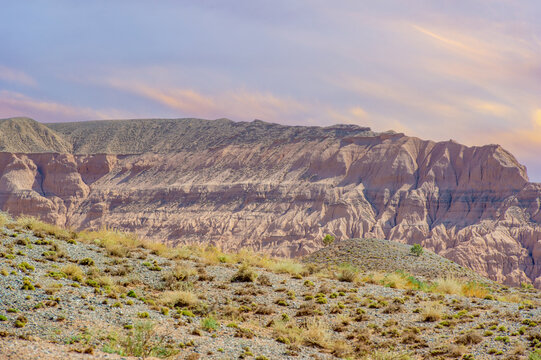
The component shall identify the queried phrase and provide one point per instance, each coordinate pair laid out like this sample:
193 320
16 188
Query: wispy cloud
16 76
16 104
236 104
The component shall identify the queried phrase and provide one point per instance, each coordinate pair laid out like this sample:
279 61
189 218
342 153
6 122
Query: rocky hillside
279 189
68 295
389 256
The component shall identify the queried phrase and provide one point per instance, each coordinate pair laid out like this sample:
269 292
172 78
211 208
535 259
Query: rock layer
280 189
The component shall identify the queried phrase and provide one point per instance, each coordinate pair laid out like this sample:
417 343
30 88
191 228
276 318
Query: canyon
276 189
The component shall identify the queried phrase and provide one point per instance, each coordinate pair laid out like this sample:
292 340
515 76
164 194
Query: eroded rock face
473 205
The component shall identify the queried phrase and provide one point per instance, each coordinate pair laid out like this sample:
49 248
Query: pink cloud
238 104
16 76
15 104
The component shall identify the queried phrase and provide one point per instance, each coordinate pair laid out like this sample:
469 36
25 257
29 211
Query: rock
279 189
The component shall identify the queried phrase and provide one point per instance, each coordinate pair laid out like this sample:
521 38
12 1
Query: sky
467 70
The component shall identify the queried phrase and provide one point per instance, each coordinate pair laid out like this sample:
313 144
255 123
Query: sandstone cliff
280 188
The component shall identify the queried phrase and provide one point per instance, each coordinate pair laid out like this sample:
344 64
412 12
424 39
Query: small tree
416 250
328 240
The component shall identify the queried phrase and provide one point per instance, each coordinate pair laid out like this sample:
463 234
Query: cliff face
221 184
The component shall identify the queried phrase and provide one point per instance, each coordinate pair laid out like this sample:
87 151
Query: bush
209 324
245 274
348 273
178 299
416 250
143 341
27 284
328 240
432 312
86 261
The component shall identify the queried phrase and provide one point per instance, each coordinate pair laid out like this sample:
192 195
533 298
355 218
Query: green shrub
27 284
209 324
328 240
143 341
86 261
416 250
25 267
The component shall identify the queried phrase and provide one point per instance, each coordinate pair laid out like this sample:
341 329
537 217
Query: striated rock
279 189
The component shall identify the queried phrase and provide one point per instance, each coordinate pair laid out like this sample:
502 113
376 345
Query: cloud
537 117
16 76
15 104
447 41
239 104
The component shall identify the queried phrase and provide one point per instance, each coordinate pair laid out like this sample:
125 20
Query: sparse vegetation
244 274
416 250
341 310
328 240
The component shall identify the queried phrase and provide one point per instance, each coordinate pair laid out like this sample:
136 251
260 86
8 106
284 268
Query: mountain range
276 189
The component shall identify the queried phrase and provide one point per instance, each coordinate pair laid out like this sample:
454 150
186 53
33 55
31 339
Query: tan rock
281 193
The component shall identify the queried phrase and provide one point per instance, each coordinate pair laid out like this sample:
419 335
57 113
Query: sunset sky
451 69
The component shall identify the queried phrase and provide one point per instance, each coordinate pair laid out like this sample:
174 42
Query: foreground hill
279 189
106 294
389 256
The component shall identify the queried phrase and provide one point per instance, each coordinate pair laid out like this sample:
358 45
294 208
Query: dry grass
4 218
432 311
73 271
452 286
244 274
181 273
449 286
348 273
116 243
177 299
287 333
317 334
388 355
41 228
475 289
470 338
287 266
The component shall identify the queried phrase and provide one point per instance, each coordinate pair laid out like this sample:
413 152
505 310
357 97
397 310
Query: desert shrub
179 273
4 218
388 355
416 250
43 229
328 240
86 262
286 266
116 243
449 286
287 333
25 267
470 338
348 273
27 284
316 334
244 274
432 312
264 280
475 289
144 341
21 321
178 299
209 324
73 271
